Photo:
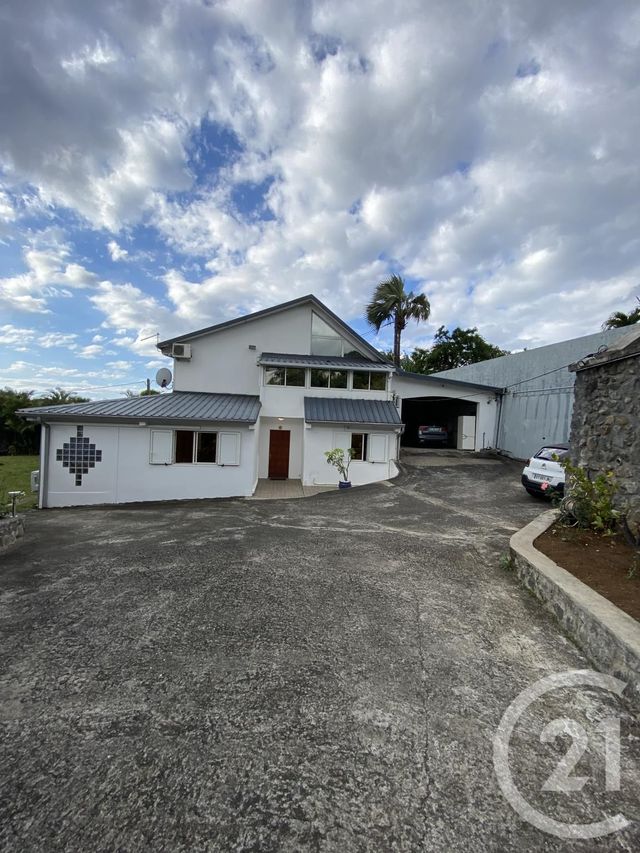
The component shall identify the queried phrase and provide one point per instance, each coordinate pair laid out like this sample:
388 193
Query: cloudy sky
168 165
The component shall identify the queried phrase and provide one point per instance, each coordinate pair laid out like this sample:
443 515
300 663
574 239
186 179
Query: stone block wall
605 427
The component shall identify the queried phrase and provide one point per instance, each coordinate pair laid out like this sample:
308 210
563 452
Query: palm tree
619 319
391 303
58 397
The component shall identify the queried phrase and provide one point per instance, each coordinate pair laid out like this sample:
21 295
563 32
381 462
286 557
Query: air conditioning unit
181 350
35 481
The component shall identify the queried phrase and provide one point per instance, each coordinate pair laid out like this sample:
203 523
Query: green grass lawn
15 475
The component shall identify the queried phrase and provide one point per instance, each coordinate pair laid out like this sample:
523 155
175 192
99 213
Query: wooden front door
279 440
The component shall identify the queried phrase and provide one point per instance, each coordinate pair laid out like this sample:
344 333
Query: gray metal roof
185 406
275 309
343 410
278 359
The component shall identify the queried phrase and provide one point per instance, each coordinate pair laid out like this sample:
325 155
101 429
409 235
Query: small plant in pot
341 460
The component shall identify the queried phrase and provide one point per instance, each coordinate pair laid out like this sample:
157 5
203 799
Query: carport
440 411
468 411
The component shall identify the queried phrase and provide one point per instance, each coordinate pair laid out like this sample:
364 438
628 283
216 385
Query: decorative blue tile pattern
78 455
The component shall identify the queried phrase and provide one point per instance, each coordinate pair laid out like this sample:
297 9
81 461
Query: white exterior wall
487 408
296 427
280 401
125 474
223 363
317 471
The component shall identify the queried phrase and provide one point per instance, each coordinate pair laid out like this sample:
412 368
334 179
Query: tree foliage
58 397
451 349
18 435
148 392
620 319
391 303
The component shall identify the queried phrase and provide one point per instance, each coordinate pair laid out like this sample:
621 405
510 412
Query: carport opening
434 411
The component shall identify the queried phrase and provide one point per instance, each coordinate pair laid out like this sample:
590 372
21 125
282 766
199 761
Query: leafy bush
339 460
589 502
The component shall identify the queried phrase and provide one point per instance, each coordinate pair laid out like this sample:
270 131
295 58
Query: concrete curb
609 637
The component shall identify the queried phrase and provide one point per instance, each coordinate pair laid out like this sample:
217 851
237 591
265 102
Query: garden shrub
589 502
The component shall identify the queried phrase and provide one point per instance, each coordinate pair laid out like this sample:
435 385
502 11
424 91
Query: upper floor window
328 378
326 341
291 376
365 380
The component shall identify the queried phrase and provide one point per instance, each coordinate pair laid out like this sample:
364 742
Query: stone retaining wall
605 427
609 637
11 529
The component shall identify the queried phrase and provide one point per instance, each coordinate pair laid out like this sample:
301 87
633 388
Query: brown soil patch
602 562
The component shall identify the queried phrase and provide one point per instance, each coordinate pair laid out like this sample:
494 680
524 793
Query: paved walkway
317 675
286 489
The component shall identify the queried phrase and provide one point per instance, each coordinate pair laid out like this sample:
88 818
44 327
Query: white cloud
485 151
90 351
128 309
57 339
13 336
49 274
116 252
119 368
7 212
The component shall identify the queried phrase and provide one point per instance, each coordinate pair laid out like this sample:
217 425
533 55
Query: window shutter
228 448
160 447
342 440
377 448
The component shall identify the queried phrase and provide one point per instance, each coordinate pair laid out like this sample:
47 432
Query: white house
264 395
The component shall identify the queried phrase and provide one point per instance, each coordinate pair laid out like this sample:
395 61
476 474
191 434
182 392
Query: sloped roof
277 359
185 406
343 410
276 309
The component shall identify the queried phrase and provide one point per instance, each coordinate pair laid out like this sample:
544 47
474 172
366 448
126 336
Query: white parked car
542 475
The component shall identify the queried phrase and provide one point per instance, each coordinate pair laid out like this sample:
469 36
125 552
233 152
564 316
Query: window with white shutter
228 448
160 447
377 448
341 440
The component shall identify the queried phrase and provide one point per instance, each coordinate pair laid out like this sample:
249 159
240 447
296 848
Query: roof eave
134 421
355 423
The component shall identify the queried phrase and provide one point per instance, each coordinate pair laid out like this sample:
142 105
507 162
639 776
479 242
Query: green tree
619 319
58 397
452 349
16 434
392 304
148 392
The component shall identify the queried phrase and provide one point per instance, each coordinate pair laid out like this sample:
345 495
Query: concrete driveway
317 674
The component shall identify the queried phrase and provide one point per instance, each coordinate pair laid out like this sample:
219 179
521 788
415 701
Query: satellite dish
163 377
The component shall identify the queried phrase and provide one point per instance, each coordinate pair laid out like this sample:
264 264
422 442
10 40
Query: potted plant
341 461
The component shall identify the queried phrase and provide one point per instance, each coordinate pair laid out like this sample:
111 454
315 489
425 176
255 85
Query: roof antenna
155 335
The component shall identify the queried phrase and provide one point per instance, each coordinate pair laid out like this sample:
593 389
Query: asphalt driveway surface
317 674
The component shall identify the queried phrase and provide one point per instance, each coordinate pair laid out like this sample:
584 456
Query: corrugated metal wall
538 400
